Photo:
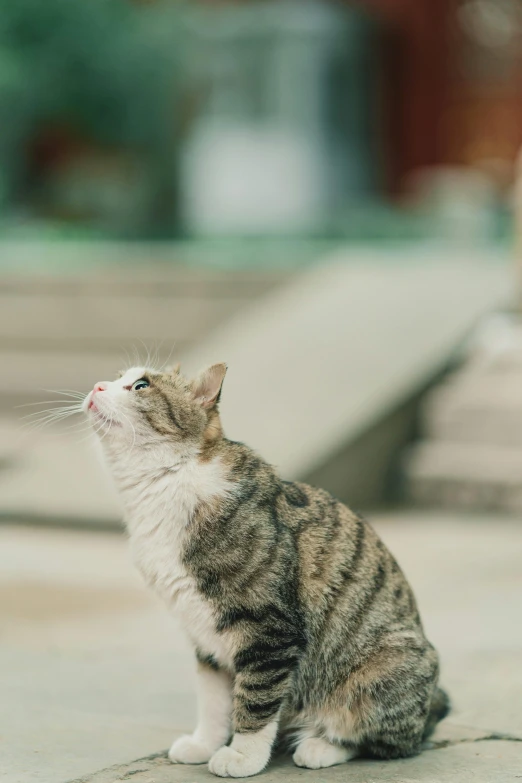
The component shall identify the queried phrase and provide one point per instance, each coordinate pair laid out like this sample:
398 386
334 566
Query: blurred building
261 117
285 136
452 81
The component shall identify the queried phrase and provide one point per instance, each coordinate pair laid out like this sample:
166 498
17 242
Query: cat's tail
440 707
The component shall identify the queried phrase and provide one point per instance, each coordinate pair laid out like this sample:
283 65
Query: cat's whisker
47 402
41 422
75 429
90 432
62 409
43 415
93 430
66 392
149 357
96 428
37 426
106 432
168 360
136 356
157 353
127 356
42 418
132 426
82 424
45 420
147 362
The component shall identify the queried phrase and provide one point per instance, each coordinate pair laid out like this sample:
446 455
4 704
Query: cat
302 623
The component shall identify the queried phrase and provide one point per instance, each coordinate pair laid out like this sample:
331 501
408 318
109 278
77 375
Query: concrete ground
94 674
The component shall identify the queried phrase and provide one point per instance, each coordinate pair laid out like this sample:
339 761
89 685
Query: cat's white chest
156 554
158 514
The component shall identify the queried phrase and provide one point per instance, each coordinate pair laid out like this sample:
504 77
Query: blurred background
366 120
325 196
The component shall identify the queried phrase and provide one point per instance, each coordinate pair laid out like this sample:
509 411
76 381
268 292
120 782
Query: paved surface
93 673
475 761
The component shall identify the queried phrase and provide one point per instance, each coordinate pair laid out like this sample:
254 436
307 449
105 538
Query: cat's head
144 405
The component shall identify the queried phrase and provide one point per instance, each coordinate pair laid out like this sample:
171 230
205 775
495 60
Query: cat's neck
143 461
164 485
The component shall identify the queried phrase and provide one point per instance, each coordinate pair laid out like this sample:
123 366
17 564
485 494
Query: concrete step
104 310
332 361
110 321
59 331
324 377
471 456
477 407
478 476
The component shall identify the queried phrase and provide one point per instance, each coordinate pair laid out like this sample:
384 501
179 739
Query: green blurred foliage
108 68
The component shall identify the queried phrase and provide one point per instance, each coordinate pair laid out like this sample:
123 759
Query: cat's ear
175 370
207 386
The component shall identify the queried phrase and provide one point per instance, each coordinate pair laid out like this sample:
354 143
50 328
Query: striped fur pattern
302 622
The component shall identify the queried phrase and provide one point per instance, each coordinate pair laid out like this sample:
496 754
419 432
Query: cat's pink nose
99 387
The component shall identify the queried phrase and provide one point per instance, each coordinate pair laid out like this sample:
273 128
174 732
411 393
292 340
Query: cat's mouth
98 415
101 417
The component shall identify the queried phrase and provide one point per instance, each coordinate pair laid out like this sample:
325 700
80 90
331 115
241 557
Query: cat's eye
141 384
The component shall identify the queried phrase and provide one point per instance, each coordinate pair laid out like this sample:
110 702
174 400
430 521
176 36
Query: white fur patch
334 725
247 755
160 500
316 753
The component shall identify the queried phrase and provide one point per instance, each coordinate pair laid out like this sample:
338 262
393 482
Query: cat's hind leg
397 700
321 740
318 752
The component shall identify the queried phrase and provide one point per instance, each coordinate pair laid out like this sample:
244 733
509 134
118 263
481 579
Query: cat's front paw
187 750
230 763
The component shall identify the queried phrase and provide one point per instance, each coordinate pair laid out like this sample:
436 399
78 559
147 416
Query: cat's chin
100 418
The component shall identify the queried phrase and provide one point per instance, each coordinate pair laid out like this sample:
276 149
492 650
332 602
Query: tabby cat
303 625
